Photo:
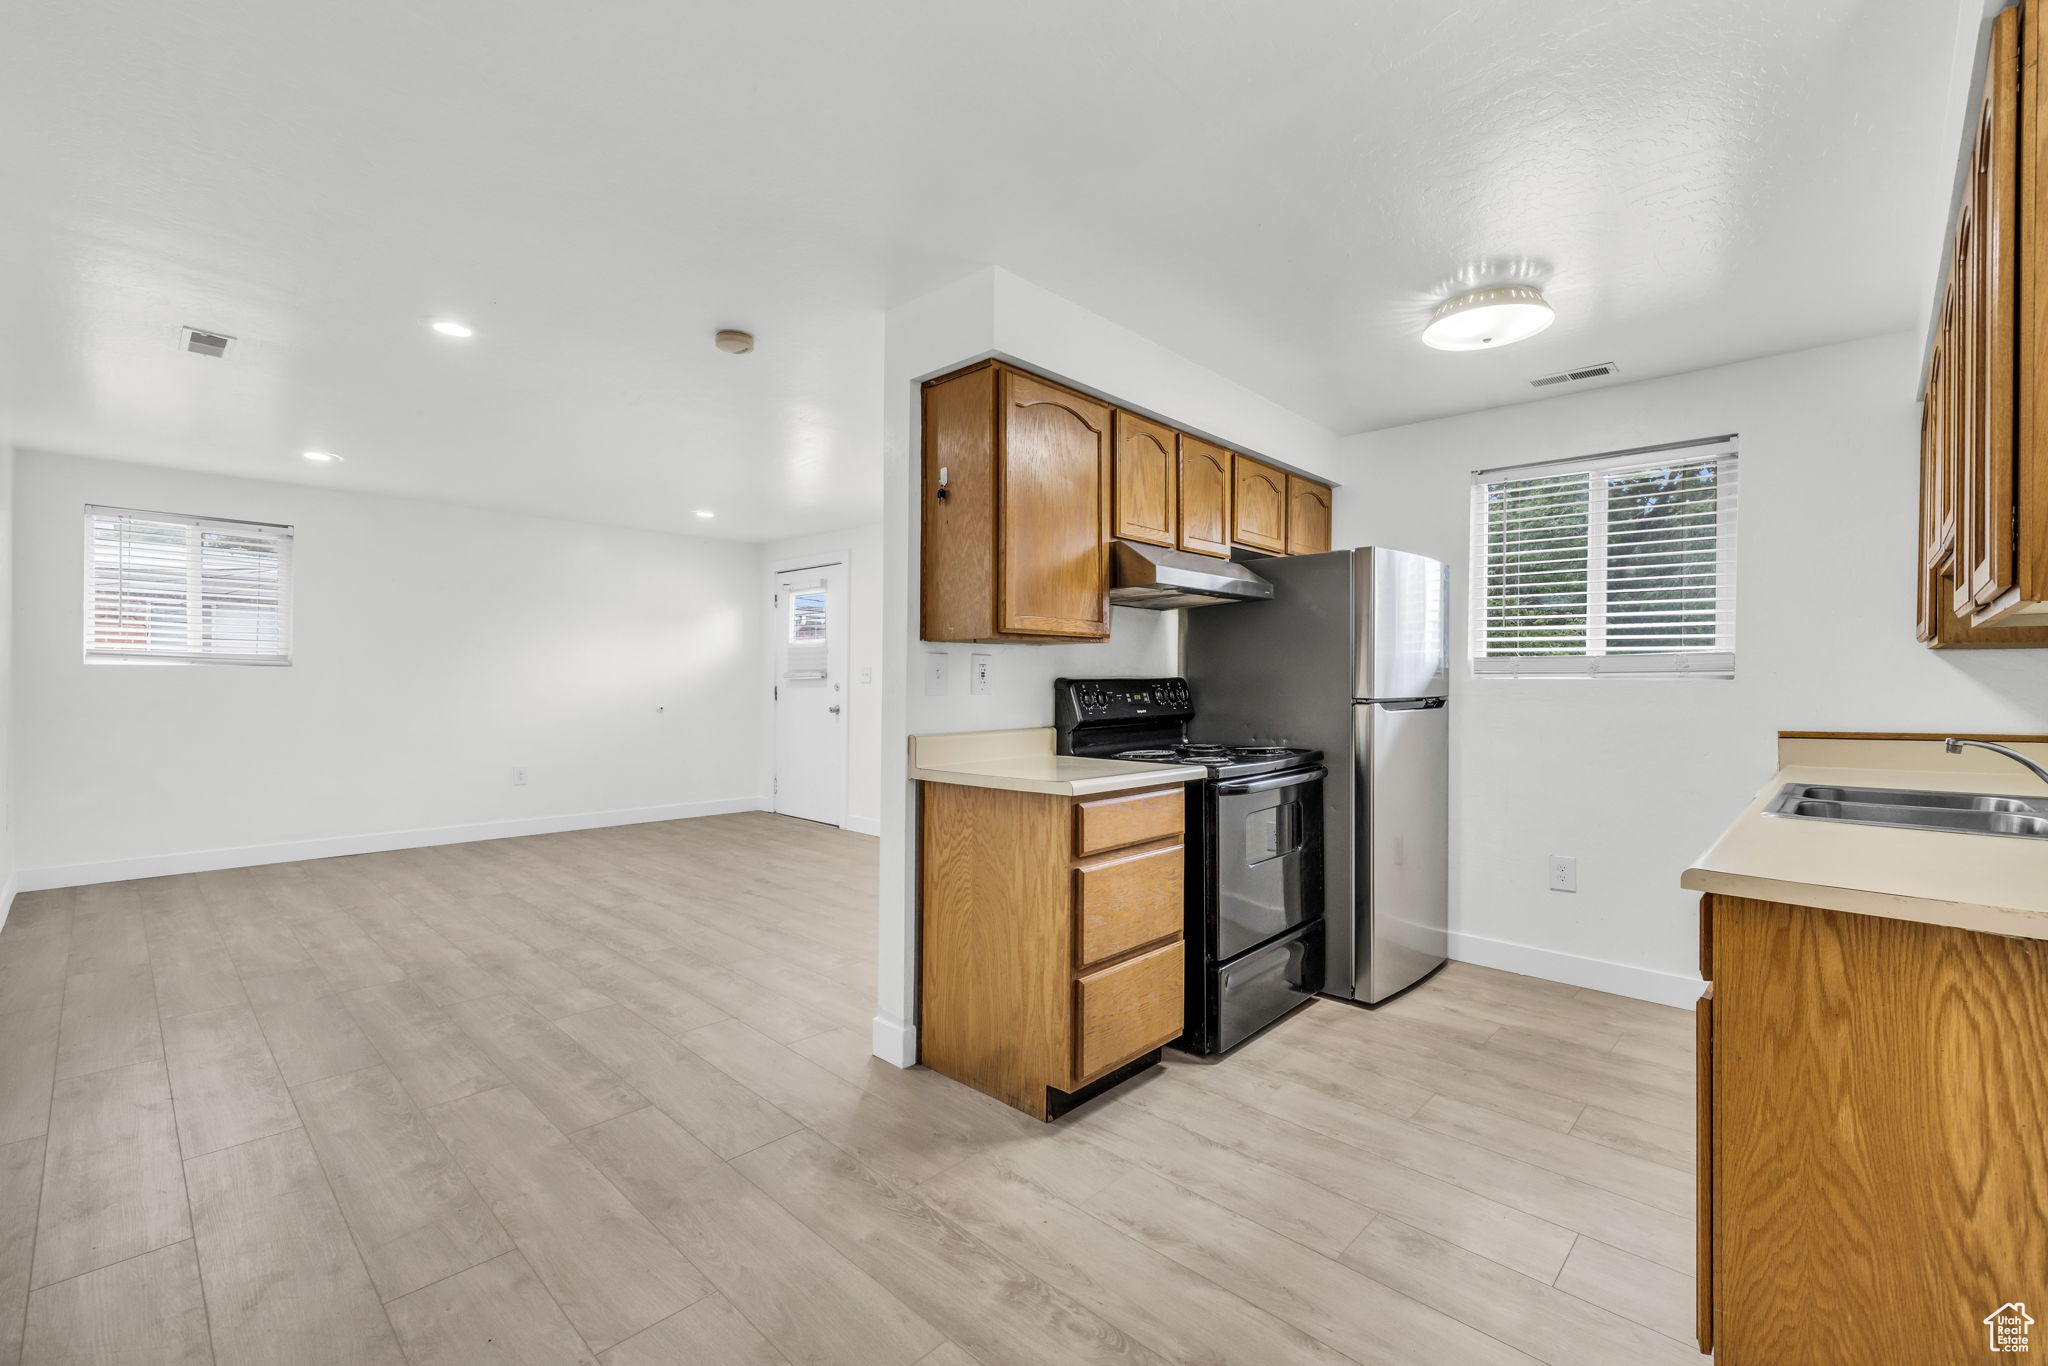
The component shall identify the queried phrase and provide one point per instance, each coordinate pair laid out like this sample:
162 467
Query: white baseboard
894 1043
7 891
1621 979
862 825
251 855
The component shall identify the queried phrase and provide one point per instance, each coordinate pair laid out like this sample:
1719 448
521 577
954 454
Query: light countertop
1024 761
1994 884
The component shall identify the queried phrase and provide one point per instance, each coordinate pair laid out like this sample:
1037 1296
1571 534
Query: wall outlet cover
519 777
1564 873
936 663
980 667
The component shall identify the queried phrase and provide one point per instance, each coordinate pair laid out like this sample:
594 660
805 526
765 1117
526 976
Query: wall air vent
1600 371
200 343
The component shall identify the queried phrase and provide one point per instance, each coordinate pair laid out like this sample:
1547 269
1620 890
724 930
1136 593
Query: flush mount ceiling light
734 342
448 327
1485 318
322 457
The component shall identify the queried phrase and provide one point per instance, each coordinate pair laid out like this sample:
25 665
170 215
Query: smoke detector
1600 371
734 342
200 343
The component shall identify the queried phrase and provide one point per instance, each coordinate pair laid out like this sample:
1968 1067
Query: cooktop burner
1146 721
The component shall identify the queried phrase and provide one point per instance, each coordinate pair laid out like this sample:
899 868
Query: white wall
864 653
996 313
436 647
1636 777
8 858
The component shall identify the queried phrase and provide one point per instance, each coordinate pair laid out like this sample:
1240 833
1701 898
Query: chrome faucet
1955 746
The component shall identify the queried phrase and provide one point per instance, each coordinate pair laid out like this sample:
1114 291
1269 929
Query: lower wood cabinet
1050 938
1873 1136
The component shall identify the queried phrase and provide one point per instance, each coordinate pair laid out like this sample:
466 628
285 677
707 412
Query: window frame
284 535
1717 661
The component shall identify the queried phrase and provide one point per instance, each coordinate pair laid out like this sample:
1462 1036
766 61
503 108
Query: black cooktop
1145 720
1226 761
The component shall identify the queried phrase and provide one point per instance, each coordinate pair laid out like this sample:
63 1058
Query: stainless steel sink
1972 813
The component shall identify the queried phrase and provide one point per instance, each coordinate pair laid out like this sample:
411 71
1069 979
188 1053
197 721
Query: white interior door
810 693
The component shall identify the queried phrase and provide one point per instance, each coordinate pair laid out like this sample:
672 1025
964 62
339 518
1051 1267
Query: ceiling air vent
1600 371
200 343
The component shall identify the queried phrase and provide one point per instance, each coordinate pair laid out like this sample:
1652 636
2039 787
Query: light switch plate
979 668
935 664
1564 873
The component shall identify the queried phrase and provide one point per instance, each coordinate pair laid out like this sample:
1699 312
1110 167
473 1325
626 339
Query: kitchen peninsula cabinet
1050 938
1258 505
1983 571
1016 509
1873 1093
1204 498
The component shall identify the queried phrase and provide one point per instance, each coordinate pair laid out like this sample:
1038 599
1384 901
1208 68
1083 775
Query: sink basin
1971 813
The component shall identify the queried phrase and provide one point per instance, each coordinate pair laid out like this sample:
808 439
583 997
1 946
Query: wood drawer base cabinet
1873 1138
1050 939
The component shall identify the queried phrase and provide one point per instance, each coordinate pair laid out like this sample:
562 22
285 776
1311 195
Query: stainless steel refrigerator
1350 656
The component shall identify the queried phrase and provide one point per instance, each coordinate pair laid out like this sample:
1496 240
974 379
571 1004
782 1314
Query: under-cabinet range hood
1155 577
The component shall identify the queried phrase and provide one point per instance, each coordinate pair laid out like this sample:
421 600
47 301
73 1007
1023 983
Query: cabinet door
1987 566
1147 479
1055 471
1204 497
1308 516
1258 506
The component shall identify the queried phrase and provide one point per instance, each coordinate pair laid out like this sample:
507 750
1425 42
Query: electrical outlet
935 665
867 675
519 777
1564 873
977 675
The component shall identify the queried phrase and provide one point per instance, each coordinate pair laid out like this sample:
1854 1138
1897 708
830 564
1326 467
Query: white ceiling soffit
1279 192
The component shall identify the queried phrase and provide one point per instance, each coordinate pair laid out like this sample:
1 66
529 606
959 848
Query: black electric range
1254 850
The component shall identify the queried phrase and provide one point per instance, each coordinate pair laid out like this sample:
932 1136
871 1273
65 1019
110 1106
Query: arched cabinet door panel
1204 497
1259 511
1147 479
1308 516
1052 536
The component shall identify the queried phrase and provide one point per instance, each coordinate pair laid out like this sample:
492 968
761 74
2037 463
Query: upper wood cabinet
1147 499
1204 497
1983 571
1308 516
1258 515
1016 509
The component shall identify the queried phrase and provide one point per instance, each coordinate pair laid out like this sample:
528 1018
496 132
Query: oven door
1269 857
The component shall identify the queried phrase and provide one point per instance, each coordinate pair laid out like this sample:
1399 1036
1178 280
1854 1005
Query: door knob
834 709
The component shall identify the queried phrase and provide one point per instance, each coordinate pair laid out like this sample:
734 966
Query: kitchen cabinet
1205 481
1050 939
1258 513
1308 516
1016 509
1983 571
1147 472
1871 1096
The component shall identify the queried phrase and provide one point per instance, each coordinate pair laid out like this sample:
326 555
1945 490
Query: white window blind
804 644
161 585
1620 564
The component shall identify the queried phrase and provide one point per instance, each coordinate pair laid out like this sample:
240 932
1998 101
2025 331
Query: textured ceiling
1279 191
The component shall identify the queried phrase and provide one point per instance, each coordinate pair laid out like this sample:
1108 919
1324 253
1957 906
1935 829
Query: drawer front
1128 818
1123 902
1126 1010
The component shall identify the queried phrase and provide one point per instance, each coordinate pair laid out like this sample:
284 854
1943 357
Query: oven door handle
1292 778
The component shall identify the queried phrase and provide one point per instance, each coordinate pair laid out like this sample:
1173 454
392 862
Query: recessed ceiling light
706 512
1488 318
448 327
323 457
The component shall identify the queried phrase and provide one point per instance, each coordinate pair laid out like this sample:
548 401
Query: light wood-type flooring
606 1096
